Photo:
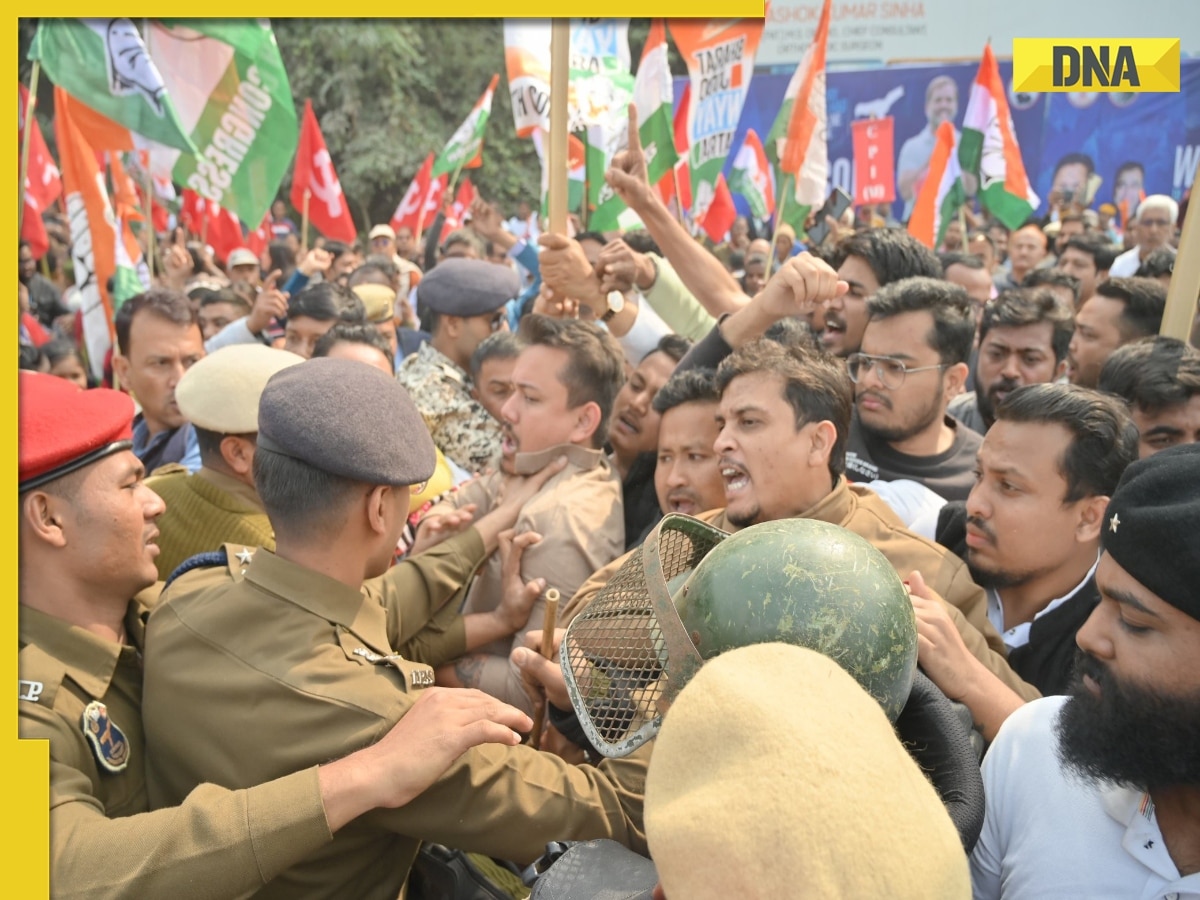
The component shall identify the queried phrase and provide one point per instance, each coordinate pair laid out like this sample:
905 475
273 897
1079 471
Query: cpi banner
1133 142
875 179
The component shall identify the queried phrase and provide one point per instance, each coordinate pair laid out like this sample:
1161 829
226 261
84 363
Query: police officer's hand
442 725
518 597
432 530
517 491
543 675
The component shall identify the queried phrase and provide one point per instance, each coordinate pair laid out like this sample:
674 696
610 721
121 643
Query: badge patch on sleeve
107 740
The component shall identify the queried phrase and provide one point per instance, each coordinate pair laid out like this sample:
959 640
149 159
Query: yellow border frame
26 762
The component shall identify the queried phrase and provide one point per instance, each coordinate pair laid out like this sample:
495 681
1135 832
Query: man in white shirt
1098 794
1156 218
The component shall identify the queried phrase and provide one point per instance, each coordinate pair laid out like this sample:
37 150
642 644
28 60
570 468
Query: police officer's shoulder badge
107 740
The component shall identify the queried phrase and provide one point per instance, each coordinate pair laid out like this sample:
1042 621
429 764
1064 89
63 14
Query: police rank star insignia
1114 523
107 740
245 556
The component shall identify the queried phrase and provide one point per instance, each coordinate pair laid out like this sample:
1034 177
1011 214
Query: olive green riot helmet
693 591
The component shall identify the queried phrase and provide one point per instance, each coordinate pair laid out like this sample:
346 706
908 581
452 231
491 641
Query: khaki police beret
467 287
220 392
61 428
347 419
379 299
776 775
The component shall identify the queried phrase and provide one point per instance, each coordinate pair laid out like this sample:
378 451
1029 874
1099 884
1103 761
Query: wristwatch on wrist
616 303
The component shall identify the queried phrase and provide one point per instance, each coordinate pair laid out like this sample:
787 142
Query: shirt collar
434 356
232 486
836 507
320 595
581 457
1018 635
89 659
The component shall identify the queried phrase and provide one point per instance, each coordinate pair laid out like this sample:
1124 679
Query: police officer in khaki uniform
311 653
461 302
87 531
218 504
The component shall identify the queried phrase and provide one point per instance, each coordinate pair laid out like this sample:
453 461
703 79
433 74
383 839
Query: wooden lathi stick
551 620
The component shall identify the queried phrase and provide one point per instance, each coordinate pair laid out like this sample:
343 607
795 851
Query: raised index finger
635 139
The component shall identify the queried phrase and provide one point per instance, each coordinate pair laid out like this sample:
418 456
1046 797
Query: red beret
62 428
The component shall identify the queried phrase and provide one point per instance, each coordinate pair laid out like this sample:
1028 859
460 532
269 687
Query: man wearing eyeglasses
1156 218
461 302
913 361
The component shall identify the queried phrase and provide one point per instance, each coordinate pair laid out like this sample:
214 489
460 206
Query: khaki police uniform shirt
103 842
580 515
860 510
204 511
461 428
286 668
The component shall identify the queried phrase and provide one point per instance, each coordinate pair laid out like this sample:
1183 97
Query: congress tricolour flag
94 231
228 83
132 275
751 177
988 149
653 96
104 63
941 195
464 150
720 59
798 136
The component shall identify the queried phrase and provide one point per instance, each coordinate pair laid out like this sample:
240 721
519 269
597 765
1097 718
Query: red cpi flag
463 198
408 211
873 169
327 208
43 182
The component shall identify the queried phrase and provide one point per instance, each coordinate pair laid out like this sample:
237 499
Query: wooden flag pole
148 212
1180 310
556 152
549 623
28 131
678 196
304 224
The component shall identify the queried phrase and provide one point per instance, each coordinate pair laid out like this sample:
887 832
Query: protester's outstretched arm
700 271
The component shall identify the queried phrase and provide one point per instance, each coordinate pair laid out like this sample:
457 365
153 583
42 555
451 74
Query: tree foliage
388 92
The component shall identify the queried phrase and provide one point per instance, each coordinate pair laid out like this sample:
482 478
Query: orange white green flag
751 176
988 151
94 231
941 194
797 139
464 150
